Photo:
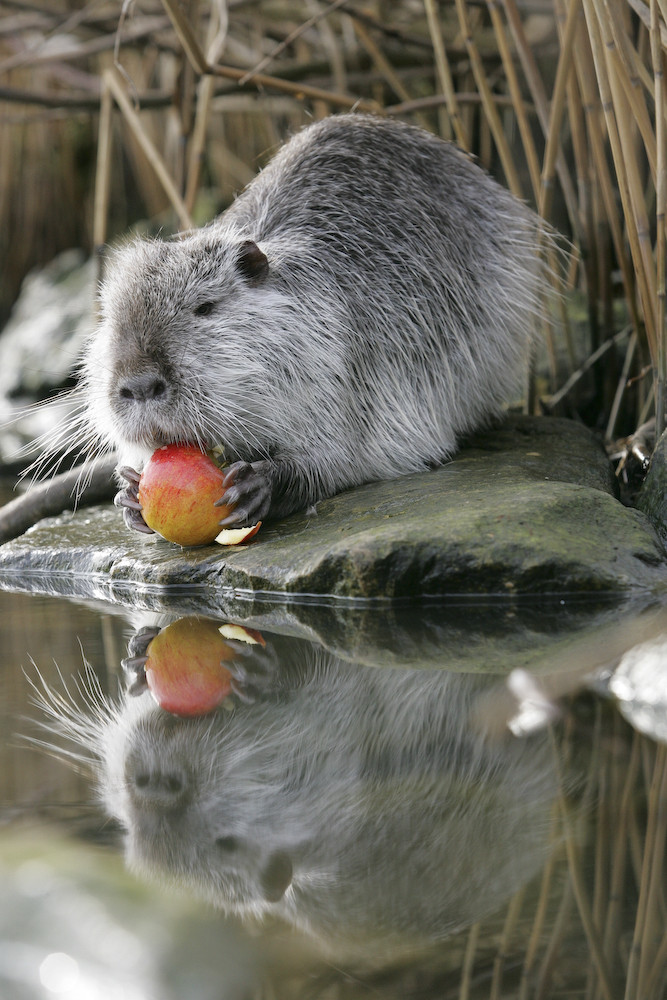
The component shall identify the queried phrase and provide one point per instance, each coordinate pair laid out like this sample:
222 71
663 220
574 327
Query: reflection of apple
177 492
185 671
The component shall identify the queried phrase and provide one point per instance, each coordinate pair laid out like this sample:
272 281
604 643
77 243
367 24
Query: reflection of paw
248 490
128 499
135 663
253 669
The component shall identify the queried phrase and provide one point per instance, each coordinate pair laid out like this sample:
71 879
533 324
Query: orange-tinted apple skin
177 492
185 672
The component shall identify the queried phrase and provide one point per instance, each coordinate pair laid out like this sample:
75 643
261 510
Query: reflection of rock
524 509
360 805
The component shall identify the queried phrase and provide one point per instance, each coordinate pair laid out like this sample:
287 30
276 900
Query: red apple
177 492
185 669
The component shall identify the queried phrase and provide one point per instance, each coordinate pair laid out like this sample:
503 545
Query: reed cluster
111 112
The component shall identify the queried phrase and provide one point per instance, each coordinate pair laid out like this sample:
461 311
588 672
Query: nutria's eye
204 308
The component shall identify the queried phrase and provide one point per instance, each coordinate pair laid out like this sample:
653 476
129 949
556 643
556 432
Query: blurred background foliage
162 110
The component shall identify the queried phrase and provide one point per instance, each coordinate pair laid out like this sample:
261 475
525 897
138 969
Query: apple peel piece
234 536
242 634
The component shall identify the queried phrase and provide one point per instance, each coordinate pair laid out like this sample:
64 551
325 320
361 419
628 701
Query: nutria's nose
142 387
163 788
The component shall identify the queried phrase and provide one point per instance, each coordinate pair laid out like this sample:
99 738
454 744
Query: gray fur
395 315
360 804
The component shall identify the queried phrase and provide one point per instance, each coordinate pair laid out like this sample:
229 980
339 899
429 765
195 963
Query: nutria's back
368 299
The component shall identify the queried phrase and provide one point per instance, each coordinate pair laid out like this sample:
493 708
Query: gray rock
44 335
41 343
652 498
527 509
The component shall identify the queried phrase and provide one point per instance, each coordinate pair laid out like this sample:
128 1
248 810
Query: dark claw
138 686
140 641
133 663
230 496
230 477
132 476
125 498
240 517
133 519
241 693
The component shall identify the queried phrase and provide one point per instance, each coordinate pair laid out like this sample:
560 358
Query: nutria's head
178 353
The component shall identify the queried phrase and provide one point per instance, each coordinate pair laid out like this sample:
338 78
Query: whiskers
67 442
75 717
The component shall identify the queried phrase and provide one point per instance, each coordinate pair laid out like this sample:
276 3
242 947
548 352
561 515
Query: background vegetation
113 112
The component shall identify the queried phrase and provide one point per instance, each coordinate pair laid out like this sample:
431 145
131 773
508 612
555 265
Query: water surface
378 807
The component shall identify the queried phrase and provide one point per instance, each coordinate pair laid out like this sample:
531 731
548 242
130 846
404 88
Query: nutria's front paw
128 499
247 488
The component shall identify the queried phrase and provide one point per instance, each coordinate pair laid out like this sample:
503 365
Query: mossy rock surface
526 509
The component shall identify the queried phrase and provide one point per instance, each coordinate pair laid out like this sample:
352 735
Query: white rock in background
40 346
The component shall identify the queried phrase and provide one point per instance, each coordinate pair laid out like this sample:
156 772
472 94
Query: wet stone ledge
525 509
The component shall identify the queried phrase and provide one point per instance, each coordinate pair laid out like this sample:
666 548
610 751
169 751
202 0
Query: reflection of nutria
358 803
366 301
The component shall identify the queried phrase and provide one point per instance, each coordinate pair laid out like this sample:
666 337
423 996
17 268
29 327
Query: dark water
377 807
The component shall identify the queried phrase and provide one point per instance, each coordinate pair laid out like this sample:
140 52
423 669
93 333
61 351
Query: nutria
366 301
360 804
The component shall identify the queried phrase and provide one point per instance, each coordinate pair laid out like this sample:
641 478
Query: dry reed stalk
518 102
591 360
596 135
622 67
622 385
558 931
332 46
626 172
291 37
468 962
513 911
142 28
573 853
102 173
557 107
540 912
445 75
217 35
601 857
651 880
538 95
585 180
465 99
385 68
300 91
623 789
643 12
633 59
113 81
491 115
657 59
632 168
655 984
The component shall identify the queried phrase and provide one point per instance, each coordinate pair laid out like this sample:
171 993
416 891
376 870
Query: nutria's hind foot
128 499
248 488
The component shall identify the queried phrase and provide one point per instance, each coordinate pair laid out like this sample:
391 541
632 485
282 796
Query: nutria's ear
276 876
252 262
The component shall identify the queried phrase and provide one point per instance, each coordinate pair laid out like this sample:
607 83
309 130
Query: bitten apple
185 670
177 491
